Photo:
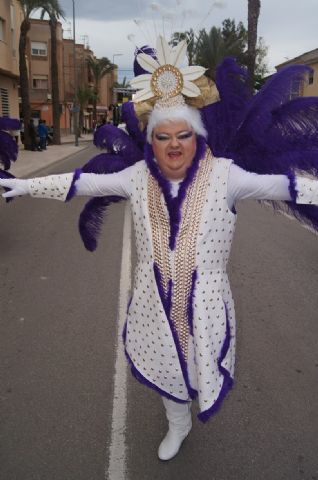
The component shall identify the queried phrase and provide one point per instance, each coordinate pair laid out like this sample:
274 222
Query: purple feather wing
122 152
8 149
116 141
267 133
7 123
132 124
91 219
224 117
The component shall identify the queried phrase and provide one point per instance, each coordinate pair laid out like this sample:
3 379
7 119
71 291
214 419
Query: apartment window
39 49
2 29
40 82
4 97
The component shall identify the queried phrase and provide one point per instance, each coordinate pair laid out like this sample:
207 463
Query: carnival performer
180 331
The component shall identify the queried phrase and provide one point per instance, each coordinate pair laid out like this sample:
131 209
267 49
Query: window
4 97
311 77
2 29
39 49
40 82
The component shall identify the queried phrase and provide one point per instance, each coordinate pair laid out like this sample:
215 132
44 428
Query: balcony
39 96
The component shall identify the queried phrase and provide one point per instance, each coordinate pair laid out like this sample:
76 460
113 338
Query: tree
209 49
191 40
212 48
83 96
254 7
28 7
99 67
55 12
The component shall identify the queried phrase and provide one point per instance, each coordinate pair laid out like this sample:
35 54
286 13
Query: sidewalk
29 162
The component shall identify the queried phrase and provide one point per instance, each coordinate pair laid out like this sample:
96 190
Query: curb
36 171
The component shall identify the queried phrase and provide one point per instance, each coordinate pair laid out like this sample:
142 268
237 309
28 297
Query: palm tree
191 40
83 96
99 67
212 48
254 7
28 7
55 12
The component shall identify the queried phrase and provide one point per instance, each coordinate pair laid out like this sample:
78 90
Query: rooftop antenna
68 30
85 40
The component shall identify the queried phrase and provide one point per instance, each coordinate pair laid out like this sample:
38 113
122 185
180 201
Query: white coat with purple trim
167 353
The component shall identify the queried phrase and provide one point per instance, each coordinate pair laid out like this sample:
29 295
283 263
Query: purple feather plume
7 123
268 133
91 219
132 124
138 70
8 149
117 142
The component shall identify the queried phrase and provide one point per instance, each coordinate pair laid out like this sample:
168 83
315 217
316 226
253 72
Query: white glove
18 187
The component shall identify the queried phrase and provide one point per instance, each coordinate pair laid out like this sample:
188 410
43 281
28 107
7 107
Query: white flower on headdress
166 79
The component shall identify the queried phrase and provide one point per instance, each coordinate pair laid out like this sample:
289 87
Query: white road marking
291 217
117 451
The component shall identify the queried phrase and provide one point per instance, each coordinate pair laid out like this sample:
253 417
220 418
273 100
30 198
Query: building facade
11 18
308 88
70 79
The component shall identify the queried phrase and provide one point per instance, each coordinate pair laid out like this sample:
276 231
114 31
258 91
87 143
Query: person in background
43 133
33 137
22 131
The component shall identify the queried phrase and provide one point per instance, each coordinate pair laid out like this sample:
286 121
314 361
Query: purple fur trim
227 379
149 384
174 205
124 334
166 302
72 190
190 301
292 185
91 219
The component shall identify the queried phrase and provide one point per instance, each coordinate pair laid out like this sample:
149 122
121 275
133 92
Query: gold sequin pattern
160 230
179 264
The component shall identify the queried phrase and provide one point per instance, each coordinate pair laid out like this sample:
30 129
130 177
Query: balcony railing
39 95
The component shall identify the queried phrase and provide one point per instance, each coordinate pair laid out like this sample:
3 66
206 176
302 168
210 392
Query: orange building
39 62
83 77
10 20
39 66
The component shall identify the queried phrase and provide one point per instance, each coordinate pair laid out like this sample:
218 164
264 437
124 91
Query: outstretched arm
65 186
244 185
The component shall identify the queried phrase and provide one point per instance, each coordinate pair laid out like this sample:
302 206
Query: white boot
180 423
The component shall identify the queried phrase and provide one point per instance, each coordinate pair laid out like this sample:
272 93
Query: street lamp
114 93
116 55
75 106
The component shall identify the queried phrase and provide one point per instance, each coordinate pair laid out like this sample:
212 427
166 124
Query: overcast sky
289 27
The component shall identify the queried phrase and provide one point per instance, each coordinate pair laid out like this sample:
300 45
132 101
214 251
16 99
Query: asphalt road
57 329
